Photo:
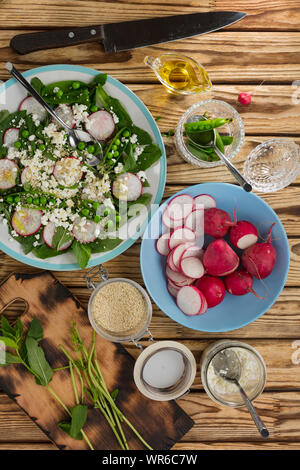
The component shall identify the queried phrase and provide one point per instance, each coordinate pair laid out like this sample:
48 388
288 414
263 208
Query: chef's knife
129 34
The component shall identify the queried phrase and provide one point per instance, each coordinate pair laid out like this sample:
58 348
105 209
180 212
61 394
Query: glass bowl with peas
194 134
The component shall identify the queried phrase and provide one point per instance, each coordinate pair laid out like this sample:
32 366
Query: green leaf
9 342
99 79
114 393
143 137
44 251
3 115
61 237
129 160
37 362
109 102
35 330
19 330
37 84
150 155
10 359
6 328
99 246
78 419
82 253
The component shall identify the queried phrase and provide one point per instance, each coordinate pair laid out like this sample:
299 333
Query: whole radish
219 258
217 222
240 283
259 259
243 234
213 289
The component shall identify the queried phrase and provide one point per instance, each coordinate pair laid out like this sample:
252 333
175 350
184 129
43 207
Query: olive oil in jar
180 74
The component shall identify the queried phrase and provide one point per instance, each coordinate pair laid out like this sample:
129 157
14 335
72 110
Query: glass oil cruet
179 74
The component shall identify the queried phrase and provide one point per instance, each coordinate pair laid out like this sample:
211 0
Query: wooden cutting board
161 424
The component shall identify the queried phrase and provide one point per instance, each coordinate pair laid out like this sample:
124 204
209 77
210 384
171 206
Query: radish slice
8 173
170 262
68 171
84 230
190 300
168 222
177 253
180 207
127 187
243 234
100 125
192 267
26 221
204 306
10 136
162 244
179 279
48 234
193 251
31 106
172 284
25 175
66 115
172 288
181 235
195 222
204 201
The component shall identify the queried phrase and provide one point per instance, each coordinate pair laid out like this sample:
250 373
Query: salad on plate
51 199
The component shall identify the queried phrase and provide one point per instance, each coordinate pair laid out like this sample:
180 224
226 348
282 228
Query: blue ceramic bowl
235 311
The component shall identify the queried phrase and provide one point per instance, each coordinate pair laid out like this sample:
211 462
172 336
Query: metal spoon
226 363
233 170
74 136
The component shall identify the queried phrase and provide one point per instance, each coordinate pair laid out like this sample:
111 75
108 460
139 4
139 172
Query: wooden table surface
265 46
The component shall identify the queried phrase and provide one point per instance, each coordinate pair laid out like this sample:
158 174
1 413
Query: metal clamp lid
95 275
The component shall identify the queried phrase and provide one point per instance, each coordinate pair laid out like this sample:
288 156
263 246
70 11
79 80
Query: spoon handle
17 75
234 171
259 424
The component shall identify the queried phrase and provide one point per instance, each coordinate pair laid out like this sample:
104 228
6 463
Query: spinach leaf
99 80
6 328
143 137
12 120
113 104
37 84
129 160
10 359
148 157
99 246
44 251
38 362
78 419
35 330
61 237
82 253
144 199
9 342
26 242
3 115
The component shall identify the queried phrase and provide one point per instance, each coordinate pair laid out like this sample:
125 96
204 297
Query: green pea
85 212
17 199
111 162
36 201
43 200
118 218
91 148
117 142
29 200
109 155
95 205
59 93
97 218
126 134
81 146
18 144
109 224
42 147
94 108
76 85
10 199
114 147
52 201
116 153
25 134
106 212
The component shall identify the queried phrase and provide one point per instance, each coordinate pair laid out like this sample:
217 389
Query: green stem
74 383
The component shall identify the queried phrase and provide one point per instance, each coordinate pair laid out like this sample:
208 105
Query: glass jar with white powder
252 379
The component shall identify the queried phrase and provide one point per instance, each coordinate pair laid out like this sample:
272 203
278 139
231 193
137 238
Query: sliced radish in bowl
68 171
190 300
84 230
170 262
8 173
177 253
194 251
31 106
172 288
10 136
100 125
48 234
181 235
192 267
127 187
179 279
195 222
204 201
171 224
162 244
26 221
180 207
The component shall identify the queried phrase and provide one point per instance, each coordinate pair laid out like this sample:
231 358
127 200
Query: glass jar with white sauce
252 379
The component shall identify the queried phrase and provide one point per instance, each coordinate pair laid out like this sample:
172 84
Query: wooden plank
282 374
261 445
228 56
275 15
215 425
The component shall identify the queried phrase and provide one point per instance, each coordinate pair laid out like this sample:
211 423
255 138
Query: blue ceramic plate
11 94
234 312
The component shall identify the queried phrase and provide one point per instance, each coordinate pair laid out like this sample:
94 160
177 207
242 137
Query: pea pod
205 125
219 142
117 145
227 139
41 201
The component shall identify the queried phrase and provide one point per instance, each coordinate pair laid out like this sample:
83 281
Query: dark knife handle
29 42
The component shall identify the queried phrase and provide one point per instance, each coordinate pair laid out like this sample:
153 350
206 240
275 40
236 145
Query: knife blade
127 35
